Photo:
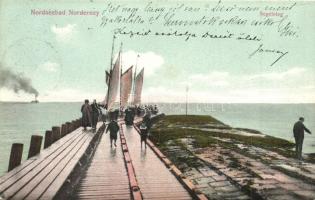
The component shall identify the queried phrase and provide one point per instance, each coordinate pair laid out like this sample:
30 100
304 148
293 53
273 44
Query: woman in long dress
95 114
86 111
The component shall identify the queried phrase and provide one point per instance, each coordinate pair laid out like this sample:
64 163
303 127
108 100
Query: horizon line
171 102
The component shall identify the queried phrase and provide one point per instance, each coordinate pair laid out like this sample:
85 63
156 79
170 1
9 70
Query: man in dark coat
298 132
129 116
155 110
147 120
96 111
113 128
86 114
138 110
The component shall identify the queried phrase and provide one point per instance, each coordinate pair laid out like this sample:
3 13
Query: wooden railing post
68 127
55 133
63 130
80 122
48 139
35 146
73 125
77 123
15 156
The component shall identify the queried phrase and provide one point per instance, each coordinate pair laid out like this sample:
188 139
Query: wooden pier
78 164
106 176
154 178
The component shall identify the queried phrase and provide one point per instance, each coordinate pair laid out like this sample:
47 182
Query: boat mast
112 55
120 63
110 71
134 81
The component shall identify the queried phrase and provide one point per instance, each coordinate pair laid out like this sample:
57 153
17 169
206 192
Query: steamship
35 101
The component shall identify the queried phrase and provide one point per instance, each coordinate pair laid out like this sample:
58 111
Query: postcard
173 99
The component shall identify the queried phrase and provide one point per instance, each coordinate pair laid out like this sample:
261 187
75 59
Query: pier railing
51 136
51 172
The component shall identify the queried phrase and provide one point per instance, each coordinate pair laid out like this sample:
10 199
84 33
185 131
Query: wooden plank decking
106 177
154 179
122 172
42 176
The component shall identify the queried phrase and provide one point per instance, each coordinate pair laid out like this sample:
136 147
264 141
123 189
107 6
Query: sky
65 57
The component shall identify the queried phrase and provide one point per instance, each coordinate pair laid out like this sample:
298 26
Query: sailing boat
115 80
138 88
113 84
125 87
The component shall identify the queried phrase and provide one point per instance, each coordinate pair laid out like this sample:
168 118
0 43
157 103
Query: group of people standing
130 114
92 113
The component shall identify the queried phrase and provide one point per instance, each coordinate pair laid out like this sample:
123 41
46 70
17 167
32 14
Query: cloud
296 71
49 66
70 95
238 95
308 87
63 33
215 78
225 79
162 94
273 87
203 88
271 95
9 95
150 61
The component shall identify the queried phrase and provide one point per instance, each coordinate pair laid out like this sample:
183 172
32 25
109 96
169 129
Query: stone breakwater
228 163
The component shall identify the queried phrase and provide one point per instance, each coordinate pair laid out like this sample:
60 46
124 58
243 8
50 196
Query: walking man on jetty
145 128
143 134
298 132
113 128
147 120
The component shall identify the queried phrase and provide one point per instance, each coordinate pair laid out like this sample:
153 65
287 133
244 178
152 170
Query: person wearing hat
129 117
96 111
298 132
147 120
113 128
86 114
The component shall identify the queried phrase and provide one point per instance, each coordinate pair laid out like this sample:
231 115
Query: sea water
18 121
271 119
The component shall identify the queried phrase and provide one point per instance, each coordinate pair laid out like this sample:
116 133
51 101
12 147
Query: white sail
107 77
125 86
113 84
138 88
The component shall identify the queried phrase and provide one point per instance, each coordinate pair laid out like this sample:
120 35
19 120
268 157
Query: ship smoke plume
16 81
